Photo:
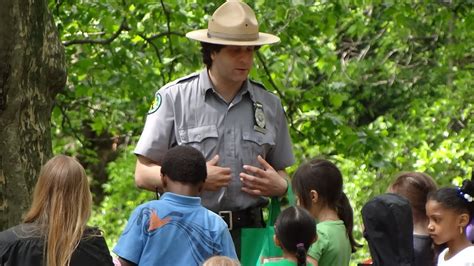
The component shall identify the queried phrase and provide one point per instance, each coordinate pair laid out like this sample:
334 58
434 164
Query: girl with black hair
295 231
449 211
318 187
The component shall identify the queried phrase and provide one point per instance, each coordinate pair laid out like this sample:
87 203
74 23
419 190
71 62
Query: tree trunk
32 72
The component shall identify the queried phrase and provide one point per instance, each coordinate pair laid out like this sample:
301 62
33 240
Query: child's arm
312 260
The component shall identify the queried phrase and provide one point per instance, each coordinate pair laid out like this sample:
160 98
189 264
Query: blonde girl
54 231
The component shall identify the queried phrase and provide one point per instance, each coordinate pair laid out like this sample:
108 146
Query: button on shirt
192 113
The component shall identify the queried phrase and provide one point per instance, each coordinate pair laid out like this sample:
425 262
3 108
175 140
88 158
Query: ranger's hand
263 182
217 176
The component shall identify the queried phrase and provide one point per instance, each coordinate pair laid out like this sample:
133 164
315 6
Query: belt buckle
227 217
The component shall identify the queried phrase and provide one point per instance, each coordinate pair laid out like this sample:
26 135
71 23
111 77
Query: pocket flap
198 134
258 138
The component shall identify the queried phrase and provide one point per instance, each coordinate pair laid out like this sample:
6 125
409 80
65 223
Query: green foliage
377 86
122 197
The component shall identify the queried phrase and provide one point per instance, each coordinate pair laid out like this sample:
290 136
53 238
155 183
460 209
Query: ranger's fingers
246 178
254 170
214 160
264 163
255 192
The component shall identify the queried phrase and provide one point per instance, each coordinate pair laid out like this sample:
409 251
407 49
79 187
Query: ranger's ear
164 180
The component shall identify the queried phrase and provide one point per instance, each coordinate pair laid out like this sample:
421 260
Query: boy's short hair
184 164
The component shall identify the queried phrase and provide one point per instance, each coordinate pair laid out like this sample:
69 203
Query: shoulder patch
155 105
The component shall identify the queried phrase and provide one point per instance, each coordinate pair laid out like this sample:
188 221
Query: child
449 211
318 187
54 231
177 229
415 187
388 228
295 231
221 261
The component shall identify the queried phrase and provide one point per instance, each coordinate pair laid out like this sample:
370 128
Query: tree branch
123 27
170 43
68 122
168 33
275 87
149 40
267 72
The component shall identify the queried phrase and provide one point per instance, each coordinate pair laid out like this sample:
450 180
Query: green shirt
333 246
284 262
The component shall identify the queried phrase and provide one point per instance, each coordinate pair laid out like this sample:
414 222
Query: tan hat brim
263 38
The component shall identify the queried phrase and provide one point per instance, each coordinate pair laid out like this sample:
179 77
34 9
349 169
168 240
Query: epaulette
185 78
258 84
182 79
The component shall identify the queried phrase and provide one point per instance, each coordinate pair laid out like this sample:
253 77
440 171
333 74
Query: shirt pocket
255 143
203 138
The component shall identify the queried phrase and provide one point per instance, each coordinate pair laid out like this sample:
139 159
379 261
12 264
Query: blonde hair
61 207
221 261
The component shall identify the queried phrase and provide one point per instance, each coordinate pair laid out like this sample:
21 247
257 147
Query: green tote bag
257 244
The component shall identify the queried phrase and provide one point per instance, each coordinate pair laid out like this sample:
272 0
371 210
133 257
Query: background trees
377 86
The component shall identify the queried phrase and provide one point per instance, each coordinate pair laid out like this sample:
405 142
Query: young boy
177 229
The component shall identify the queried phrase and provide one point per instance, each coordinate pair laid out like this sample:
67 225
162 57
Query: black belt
244 218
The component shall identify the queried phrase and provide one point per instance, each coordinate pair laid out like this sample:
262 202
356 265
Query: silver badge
259 116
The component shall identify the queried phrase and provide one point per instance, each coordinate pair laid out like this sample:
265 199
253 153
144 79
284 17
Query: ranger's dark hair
295 228
324 177
206 50
184 164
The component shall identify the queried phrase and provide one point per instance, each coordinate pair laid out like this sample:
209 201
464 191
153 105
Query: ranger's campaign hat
233 23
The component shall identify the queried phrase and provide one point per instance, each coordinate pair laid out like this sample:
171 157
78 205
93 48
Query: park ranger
239 126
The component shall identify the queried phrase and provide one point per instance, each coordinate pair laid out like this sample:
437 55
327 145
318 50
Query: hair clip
465 196
300 245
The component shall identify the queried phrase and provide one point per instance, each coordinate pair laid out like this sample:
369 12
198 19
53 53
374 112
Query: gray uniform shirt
189 111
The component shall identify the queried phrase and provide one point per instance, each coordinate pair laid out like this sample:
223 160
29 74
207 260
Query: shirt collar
205 85
186 200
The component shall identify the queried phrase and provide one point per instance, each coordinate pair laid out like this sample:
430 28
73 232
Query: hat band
233 37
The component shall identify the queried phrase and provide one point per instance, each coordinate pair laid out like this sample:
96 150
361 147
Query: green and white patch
155 104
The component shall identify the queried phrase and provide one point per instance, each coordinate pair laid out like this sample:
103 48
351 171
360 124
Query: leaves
377 86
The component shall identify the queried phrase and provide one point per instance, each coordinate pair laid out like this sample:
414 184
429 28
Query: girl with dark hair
318 187
449 211
295 231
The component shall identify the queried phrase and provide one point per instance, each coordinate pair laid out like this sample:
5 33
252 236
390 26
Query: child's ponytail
295 230
301 254
345 212
467 192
